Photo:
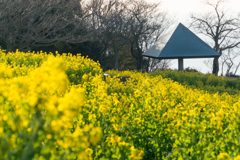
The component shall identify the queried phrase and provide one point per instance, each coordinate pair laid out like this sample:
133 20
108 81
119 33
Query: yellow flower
56 126
95 135
123 144
49 136
5 117
138 120
223 156
237 158
85 77
136 154
89 151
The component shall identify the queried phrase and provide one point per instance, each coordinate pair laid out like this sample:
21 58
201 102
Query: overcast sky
181 10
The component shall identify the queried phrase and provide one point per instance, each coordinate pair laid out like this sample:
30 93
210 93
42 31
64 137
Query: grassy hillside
207 82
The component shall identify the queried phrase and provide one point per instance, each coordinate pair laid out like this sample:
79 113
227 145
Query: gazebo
182 43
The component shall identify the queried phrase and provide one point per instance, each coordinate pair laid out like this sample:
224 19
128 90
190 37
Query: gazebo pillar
180 64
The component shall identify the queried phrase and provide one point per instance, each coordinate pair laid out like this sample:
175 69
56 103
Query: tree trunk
139 63
215 66
9 48
116 61
139 58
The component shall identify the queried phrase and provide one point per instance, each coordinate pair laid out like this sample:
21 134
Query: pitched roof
181 44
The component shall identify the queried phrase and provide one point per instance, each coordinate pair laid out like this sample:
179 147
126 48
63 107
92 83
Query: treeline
113 32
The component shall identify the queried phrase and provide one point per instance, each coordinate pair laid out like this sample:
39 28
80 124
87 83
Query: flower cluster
37 112
61 107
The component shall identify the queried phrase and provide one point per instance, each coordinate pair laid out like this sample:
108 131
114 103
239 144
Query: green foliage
207 82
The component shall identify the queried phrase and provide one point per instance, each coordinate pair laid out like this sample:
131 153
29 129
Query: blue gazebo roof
181 44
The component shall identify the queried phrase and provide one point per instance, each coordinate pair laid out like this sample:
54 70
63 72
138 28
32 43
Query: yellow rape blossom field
59 107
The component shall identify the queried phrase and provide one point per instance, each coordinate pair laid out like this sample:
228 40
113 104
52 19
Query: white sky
181 10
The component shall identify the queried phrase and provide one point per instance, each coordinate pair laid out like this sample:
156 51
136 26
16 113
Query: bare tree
108 18
147 25
228 61
135 23
28 23
118 27
158 64
223 30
